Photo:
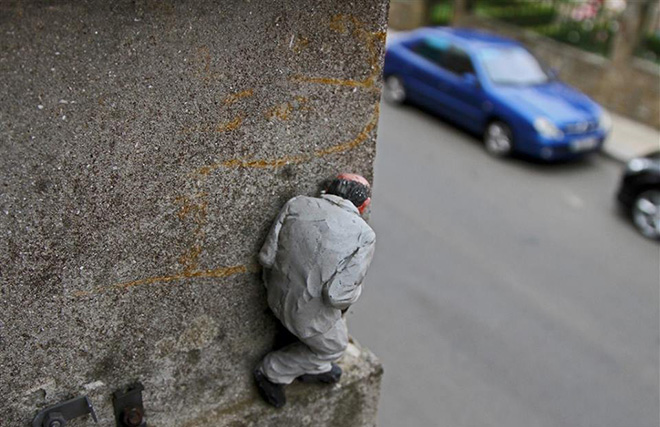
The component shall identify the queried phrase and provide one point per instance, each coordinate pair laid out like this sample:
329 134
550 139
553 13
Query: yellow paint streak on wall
217 273
194 207
203 58
188 207
301 44
359 139
236 96
232 125
205 170
335 82
189 259
282 111
339 23
287 160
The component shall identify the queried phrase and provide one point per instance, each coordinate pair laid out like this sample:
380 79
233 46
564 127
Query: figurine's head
351 187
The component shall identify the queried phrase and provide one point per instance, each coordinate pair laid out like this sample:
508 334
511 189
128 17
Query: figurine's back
315 258
317 240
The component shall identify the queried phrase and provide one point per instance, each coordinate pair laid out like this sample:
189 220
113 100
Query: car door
427 80
463 89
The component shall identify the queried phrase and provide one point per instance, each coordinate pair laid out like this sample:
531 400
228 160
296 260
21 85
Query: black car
639 193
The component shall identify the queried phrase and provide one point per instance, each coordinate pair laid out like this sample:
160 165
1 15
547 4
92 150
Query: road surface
503 292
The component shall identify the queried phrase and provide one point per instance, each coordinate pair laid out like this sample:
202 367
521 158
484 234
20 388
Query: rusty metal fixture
129 409
133 416
58 415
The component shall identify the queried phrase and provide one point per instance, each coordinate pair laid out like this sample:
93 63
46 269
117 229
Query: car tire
498 139
645 213
394 90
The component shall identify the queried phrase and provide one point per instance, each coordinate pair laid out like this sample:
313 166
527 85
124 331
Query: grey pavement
630 139
503 292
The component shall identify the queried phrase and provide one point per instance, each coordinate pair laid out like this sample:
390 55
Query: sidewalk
630 139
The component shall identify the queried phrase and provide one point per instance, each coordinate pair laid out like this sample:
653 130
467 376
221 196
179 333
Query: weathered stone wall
407 14
146 148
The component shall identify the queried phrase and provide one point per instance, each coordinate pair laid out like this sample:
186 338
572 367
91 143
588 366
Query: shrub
441 14
524 14
596 38
649 47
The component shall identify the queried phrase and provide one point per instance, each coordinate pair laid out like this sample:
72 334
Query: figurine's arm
269 249
344 287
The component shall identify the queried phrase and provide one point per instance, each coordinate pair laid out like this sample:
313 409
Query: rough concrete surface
350 403
146 148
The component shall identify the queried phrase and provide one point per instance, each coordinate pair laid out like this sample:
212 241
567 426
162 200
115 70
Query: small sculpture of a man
314 260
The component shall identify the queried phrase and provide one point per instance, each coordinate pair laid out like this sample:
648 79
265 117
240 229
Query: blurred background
519 286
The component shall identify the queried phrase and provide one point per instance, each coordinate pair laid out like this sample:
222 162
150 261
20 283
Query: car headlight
638 165
547 129
605 121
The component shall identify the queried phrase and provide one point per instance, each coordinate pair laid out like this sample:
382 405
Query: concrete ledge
351 402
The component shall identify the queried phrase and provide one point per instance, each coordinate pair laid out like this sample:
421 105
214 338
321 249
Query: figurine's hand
343 288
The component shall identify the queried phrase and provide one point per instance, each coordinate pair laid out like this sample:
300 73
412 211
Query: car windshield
512 66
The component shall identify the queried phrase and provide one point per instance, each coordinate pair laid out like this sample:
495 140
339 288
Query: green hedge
649 47
586 36
441 14
523 14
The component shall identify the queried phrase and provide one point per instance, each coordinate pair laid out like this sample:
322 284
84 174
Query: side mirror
471 79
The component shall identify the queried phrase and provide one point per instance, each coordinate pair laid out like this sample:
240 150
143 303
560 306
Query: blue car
494 87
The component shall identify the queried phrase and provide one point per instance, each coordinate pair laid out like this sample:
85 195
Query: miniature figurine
314 260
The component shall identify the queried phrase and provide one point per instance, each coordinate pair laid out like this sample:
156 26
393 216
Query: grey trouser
311 355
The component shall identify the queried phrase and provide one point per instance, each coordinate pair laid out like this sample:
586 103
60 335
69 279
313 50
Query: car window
433 49
442 53
512 66
458 61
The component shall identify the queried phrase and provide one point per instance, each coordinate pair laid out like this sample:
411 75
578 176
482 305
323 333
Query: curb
610 155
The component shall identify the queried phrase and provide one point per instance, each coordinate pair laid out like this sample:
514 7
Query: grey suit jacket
315 258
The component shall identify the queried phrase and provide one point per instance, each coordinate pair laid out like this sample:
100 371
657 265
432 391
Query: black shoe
271 392
330 377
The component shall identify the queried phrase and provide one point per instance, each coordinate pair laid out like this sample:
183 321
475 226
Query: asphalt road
505 293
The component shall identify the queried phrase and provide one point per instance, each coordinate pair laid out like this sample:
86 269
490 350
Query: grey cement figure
314 258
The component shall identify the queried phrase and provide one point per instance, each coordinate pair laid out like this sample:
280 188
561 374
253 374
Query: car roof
467 37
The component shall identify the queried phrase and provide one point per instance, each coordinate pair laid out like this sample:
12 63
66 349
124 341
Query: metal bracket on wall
58 415
129 409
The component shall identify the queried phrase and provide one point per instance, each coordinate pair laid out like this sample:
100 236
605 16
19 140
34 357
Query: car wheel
395 91
646 213
498 139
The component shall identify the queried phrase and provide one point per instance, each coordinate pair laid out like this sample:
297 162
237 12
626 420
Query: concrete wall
407 14
146 148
